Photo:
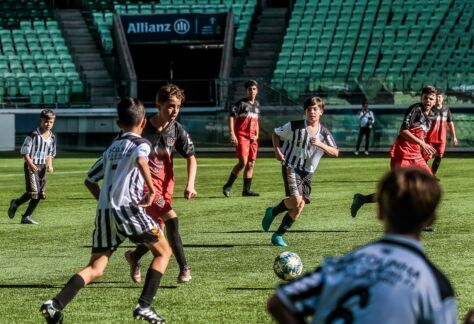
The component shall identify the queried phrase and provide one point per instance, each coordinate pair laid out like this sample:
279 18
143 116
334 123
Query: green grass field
230 256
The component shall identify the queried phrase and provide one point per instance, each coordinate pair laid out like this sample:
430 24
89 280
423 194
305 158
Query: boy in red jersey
436 137
243 129
410 145
166 136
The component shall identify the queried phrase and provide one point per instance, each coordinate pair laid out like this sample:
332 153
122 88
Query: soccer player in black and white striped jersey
304 143
38 149
123 169
387 281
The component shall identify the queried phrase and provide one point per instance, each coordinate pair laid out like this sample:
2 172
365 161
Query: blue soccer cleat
277 240
267 219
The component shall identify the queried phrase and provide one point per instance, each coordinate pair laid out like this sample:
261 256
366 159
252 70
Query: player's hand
279 156
233 140
428 148
315 141
33 168
253 137
147 200
189 193
455 141
50 169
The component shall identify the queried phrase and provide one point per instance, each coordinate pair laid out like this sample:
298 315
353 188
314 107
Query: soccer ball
288 266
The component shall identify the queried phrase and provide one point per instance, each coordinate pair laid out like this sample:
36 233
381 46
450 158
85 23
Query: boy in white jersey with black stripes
38 150
123 169
304 143
388 281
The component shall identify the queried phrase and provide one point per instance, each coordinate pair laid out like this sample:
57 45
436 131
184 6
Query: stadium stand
35 64
335 47
102 11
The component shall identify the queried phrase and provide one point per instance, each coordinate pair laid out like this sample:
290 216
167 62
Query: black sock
174 238
140 251
247 184
69 291
435 165
231 180
31 207
23 199
280 208
368 199
285 224
152 283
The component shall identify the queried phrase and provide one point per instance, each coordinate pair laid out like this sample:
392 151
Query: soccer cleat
366 153
356 204
135 272
226 191
248 193
428 229
278 240
26 219
51 313
267 219
147 314
356 153
12 209
185 275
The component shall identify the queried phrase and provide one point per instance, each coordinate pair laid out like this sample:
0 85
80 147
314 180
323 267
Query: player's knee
300 206
250 164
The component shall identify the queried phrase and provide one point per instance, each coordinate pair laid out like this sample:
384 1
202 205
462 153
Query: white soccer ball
288 266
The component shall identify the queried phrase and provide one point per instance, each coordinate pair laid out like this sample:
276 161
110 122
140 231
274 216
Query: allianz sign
180 26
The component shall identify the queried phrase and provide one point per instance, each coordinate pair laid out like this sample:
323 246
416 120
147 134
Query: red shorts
405 163
161 201
246 148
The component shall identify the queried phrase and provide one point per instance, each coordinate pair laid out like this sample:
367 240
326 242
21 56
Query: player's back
122 180
389 281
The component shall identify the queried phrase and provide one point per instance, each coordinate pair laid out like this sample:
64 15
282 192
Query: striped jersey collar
397 238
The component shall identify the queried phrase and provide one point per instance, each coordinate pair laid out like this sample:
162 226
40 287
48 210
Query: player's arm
142 164
328 149
190 191
93 188
231 124
276 146
29 162
405 133
453 132
281 313
49 164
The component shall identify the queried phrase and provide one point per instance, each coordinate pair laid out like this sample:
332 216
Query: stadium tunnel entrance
192 67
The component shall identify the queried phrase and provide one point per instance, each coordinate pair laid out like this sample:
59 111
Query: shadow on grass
102 285
292 231
250 289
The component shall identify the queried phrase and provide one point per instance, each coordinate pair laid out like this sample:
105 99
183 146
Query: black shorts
35 182
113 226
297 183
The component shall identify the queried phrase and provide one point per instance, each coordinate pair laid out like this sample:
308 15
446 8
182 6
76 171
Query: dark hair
130 112
429 90
314 100
407 198
251 83
170 90
47 114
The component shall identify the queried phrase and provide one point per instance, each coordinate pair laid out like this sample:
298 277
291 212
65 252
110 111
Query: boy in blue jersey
387 281
299 145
